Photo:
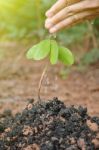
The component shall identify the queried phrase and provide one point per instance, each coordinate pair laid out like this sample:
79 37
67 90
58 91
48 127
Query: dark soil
49 126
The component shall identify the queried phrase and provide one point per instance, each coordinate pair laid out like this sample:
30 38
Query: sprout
50 48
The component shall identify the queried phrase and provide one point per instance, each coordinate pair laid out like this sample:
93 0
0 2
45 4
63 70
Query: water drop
53 35
92 22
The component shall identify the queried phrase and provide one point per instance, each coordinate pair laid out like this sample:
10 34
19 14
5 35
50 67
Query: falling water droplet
53 35
92 22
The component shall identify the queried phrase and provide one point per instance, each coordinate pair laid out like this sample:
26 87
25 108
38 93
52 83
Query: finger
56 7
64 13
60 4
71 10
78 18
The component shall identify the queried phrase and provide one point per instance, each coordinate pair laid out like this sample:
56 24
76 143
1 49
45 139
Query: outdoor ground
19 80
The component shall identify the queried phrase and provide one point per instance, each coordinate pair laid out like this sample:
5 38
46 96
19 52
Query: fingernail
53 30
48 24
49 14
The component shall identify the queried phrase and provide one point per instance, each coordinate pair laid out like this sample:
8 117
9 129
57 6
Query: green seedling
50 48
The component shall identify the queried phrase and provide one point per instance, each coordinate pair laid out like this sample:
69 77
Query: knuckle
75 18
63 24
68 11
56 19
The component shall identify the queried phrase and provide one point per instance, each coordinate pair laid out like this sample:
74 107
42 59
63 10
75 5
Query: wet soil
50 125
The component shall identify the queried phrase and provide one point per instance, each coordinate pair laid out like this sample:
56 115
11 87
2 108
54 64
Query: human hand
66 13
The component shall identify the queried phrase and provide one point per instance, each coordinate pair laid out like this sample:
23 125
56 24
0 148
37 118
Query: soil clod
50 126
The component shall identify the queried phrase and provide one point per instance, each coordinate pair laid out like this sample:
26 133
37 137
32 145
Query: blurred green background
23 21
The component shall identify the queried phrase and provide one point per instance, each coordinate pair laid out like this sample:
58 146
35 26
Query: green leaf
39 51
65 56
54 52
30 53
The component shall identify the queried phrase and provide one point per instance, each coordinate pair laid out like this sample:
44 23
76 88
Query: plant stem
40 82
44 71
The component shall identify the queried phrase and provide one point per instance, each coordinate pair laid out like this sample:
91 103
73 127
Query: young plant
50 48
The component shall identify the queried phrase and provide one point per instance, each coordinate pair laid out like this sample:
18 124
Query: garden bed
50 126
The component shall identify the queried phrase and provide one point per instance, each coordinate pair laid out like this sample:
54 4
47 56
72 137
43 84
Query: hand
66 13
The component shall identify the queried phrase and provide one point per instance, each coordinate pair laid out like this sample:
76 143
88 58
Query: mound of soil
50 126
